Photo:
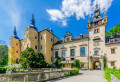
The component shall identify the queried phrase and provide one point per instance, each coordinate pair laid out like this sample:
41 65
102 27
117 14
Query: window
16 51
112 63
94 30
97 30
67 39
82 51
72 59
35 37
96 52
63 53
36 47
72 52
41 37
27 45
63 66
41 47
17 44
51 39
112 51
56 54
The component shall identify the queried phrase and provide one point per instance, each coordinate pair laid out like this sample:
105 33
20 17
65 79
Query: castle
92 49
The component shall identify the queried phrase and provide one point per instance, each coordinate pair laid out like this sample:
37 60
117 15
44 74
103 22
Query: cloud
78 8
13 11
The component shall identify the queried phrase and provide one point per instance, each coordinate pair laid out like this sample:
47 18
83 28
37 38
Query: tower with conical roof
14 48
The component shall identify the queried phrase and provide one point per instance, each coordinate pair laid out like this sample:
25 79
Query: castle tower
30 37
14 48
97 30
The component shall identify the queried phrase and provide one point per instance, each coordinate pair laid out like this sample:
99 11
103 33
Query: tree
77 63
114 30
3 54
28 59
58 62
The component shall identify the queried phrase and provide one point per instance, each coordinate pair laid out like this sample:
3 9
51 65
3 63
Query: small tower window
67 39
97 30
17 44
41 37
51 39
41 47
27 45
94 30
16 51
36 47
35 37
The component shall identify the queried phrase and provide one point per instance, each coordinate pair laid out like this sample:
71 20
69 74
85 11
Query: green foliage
66 75
58 62
109 71
3 70
3 55
77 63
75 71
105 63
114 30
28 59
10 69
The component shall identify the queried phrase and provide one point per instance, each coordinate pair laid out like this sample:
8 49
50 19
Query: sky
61 15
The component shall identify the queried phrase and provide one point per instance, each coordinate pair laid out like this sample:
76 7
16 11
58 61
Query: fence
33 76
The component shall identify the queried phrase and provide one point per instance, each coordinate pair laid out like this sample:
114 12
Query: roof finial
51 30
96 6
104 13
32 20
89 20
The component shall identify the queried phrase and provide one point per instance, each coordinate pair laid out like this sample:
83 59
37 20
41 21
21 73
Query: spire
32 23
104 13
32 20
15 33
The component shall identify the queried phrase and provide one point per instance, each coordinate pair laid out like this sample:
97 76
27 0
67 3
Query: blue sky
58 14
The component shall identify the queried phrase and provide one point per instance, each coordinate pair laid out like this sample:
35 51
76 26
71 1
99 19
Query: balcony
67 61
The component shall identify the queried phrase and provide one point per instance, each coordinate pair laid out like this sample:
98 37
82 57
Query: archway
96 65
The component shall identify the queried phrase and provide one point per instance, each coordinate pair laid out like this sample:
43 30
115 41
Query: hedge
113 71
75 71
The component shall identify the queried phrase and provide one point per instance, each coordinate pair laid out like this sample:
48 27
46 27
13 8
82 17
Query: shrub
74 71
77 63
66 75
3 70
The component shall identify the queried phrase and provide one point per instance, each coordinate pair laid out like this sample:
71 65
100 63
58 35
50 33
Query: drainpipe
88 53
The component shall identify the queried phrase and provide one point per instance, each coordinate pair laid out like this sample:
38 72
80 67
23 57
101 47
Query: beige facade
93 48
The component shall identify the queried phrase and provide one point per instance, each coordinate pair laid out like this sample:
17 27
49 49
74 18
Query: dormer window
68 39
112 40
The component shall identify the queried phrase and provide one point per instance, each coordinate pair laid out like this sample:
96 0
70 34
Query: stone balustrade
33 76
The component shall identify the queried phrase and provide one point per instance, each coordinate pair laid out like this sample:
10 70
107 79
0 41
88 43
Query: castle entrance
96 65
